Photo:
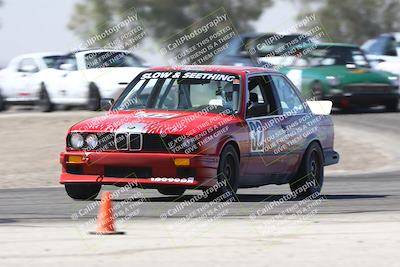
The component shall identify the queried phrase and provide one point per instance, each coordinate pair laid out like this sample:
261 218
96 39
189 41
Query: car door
64 84
27 67
262 118
295 122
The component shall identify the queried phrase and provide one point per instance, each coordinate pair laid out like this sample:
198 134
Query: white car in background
82 78
17 79
384 52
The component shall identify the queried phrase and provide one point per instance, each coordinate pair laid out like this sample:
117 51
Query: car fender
223 141
45 78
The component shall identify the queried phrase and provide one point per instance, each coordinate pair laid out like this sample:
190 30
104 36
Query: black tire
392 106
227 174
93 98
310 176
44 102
82 191
2 103
316 91
172 191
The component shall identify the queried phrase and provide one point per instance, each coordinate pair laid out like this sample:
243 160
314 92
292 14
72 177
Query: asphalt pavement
373 192
355 221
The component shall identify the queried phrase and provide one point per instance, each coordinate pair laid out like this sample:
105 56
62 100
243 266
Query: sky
41 25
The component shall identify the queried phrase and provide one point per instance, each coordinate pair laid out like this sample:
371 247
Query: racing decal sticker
256 136
188 180
161 75
188 75
156 115
132 128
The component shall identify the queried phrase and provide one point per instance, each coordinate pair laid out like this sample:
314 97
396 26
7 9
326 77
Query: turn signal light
182 162
75 159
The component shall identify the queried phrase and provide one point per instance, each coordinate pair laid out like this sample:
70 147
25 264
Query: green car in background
340 73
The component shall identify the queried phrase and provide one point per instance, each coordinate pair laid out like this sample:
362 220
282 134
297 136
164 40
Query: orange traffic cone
105 218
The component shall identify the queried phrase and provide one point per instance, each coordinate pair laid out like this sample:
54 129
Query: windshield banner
188 75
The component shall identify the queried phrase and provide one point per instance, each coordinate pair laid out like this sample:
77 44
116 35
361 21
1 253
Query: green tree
353 21
91 18
162 19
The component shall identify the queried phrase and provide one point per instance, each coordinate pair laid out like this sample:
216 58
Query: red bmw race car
197 127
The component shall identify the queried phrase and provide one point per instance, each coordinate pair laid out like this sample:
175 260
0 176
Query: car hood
156 122
119 74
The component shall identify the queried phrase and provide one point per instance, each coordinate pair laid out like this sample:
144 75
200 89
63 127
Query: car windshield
184 91
274 45
111 59
51 61
332 56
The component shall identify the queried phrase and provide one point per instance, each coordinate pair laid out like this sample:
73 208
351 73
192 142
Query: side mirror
67 67
323 107
29 68
106 104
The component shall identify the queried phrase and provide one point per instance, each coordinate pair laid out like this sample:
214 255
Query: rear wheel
316 90
93 98
82 191
44 102
310 177
392 106
172 191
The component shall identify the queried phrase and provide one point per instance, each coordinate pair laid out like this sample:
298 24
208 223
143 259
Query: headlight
333 80
394 80
92 141
76 140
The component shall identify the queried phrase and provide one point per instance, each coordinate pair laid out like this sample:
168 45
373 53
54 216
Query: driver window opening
261 99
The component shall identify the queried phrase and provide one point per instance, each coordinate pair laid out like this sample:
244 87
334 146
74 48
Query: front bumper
331 157
157 169
362 99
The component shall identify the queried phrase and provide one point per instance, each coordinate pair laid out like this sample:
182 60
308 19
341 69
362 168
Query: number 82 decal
256 136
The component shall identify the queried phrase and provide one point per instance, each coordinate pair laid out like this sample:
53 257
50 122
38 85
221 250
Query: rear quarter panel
324 133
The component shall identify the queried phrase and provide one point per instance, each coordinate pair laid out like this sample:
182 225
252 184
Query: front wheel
316 90
44 102
93 98
310 177
392 106
172 191
82 191
227 175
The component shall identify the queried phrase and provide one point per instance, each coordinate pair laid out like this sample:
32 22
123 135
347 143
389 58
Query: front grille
106 141
138 142
369 88
135 141
121 141
127 172
156 143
